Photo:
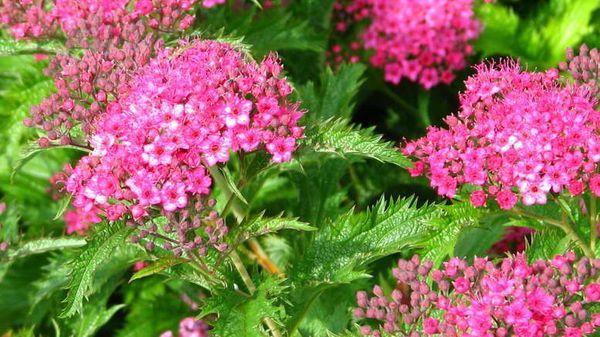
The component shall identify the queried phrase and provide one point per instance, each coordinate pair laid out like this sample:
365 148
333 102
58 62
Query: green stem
239 213
239 266
423 106
564 225
273 327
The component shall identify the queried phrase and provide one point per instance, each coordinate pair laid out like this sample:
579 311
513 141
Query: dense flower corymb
186 111
513 298
518 136
423 40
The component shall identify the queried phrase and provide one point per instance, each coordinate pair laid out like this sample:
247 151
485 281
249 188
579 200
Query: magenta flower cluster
511 298
189 327
37 19
422 40
186 111
117 39
519 135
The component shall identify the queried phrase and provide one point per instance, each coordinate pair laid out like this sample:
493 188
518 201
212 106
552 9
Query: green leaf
232 185
334 95
102 244
157 267
446 229
336 136
547 243
94 321
43 245
341 250
64 204
33 150
541 39
14 47
259 226
240 315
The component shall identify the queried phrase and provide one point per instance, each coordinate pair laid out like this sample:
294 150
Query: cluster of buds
511 298
185 233
584 68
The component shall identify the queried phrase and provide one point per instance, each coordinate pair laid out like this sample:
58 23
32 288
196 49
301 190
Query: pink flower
506 199
592 292
595 185
431 326
478 198
509 298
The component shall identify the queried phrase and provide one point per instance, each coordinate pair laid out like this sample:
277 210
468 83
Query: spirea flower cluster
511 298
189 327
186 111
424 41
37 19
519 135
118 37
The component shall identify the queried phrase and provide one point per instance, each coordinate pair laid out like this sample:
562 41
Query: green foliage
107 237
337 136
321 218
447 227
9 47
539 40
259 226
334 95
241 314
43 245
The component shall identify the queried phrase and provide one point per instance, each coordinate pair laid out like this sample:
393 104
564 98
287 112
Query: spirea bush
342 168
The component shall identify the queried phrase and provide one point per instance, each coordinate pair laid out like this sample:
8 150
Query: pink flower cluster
423 40
518 136
37 19
513 298
118 38
186 111
189 327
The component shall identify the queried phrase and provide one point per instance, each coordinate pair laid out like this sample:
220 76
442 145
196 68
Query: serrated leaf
259 225
334 96
43 245
103 242
156 267
547 243
240 315
232 185
446 228
337 136
14 47
341 250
